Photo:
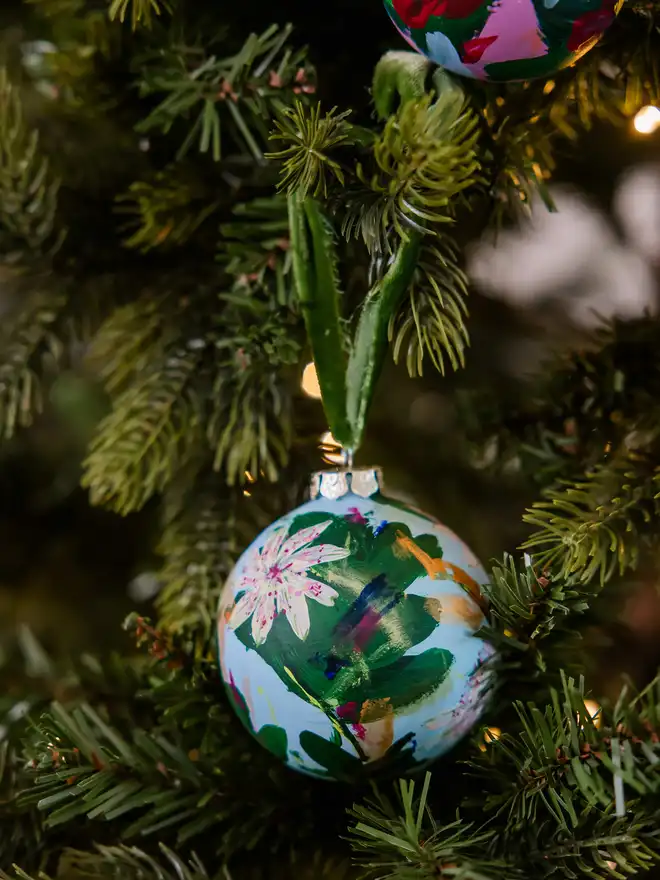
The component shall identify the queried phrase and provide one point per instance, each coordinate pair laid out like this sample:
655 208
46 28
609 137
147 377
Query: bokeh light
647 120
491 735
310 382
593 708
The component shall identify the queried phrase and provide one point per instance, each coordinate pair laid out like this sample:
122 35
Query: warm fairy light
593 708
247 493
332 451
491 734
249 477
310 382
647 120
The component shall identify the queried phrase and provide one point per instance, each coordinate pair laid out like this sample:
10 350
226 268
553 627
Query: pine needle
141 11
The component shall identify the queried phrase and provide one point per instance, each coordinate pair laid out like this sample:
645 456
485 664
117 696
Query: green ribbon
347 369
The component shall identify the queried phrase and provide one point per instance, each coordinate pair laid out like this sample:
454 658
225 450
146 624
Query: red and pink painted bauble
503 40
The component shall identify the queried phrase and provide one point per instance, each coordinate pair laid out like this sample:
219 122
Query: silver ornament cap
334 484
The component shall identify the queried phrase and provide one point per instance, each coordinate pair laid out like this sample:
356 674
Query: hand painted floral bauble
503 40
348 633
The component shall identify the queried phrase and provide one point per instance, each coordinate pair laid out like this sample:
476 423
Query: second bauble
504 40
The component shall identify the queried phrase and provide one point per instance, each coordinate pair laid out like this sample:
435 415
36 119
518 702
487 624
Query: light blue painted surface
441 719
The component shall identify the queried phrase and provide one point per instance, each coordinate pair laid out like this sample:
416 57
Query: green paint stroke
407 681
327 669
274 739
343 767
338 763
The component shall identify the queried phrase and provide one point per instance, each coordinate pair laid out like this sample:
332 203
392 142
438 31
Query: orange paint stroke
438 569
375 710
377 737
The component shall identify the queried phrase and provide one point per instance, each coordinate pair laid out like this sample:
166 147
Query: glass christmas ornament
503 40
348 633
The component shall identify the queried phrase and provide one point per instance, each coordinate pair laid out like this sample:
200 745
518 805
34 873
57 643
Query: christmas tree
212 216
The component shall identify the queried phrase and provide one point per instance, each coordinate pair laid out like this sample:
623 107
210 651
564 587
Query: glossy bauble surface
347 633
503 40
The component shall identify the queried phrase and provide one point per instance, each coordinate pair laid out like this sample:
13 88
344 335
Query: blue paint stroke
363 617
331 664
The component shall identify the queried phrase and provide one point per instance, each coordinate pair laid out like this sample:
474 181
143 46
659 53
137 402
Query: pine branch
597 511
565 764
614 80
254 250
190 772
250 427
558 424
595 527
199 547
27 679
68 68
307 164
108 862
409 175
526 608
645 8
156 356
22 834
39 338
174 384
28 190
601 846
637 712
431 323
602 383
164 212
153 742
97 772
404 841
130 863
30 348
141 11
524 164
133 863
240 93
527 123
133 337
155 427
530 776
423 160
200 544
